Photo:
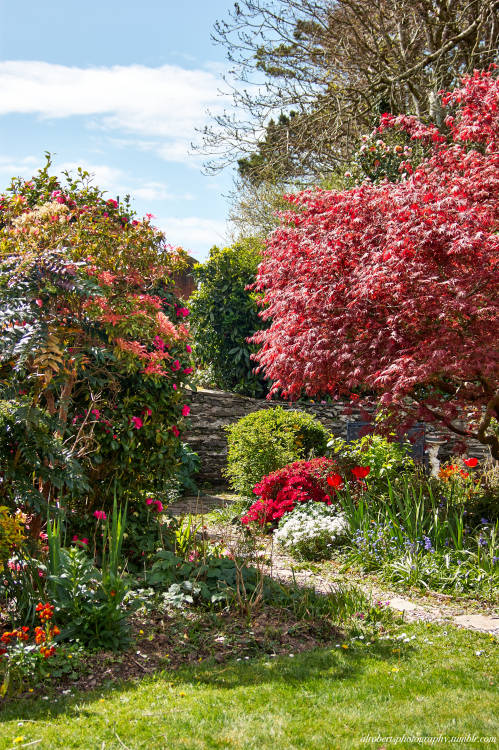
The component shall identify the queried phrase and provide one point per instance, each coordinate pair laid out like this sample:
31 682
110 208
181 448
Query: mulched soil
165 642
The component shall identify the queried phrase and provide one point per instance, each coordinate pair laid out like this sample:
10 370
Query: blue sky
118 88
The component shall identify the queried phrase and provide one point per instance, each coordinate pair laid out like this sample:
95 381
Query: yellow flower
19 739
395 669
344 645
182 695
70 656
141 632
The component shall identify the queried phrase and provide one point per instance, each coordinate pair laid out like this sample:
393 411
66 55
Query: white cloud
193 232
165 103
117 182
23 167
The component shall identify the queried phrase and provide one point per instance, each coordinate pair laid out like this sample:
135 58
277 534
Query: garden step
197 505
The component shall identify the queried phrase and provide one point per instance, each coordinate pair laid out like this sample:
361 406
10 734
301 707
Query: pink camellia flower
148 412
176 365
112 202
188 370
159 506
174 386
84 540
175 430
188 348
75 538
186 410
100 515
137 422
149 501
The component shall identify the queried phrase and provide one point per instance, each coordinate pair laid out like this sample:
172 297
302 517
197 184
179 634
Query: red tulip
361 472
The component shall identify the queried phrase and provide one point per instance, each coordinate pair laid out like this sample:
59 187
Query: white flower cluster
311 530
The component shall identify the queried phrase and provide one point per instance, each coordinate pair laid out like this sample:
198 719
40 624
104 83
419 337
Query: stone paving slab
197 505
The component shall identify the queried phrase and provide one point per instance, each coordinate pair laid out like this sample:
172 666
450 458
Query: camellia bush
390 289
94 352
225 314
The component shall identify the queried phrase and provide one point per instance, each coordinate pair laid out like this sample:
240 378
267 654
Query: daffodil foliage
391 289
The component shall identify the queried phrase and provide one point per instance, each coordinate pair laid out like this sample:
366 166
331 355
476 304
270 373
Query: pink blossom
188 348
149 501
148 412
39 302
186 410
174 386
137 422
159 343
188 370
176 365
112 202
100 515
159 506
175 430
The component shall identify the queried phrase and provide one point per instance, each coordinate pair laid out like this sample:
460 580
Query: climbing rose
186 410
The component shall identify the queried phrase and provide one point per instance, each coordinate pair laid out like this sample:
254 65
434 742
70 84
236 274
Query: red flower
470 462
137 422
175 430
100 515
361 472
335 480
186 410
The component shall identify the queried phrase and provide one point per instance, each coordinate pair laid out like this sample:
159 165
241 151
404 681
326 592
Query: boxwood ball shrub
267 440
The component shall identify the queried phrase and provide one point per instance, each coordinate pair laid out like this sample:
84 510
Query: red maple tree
391 289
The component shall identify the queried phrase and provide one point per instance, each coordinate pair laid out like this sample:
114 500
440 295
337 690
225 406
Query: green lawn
441 682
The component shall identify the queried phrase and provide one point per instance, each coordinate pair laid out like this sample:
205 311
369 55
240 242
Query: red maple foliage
392 288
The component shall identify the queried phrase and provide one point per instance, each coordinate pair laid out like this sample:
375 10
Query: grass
427 683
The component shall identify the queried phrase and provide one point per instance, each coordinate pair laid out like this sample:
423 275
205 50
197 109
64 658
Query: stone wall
212 410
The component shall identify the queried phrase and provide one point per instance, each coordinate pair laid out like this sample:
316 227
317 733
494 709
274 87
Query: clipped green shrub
267 440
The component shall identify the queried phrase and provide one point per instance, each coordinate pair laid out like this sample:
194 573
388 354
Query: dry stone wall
212 410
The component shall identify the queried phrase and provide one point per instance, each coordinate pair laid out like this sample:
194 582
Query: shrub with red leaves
391 289
281 491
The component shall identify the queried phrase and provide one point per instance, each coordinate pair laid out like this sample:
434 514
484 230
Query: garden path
433 607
